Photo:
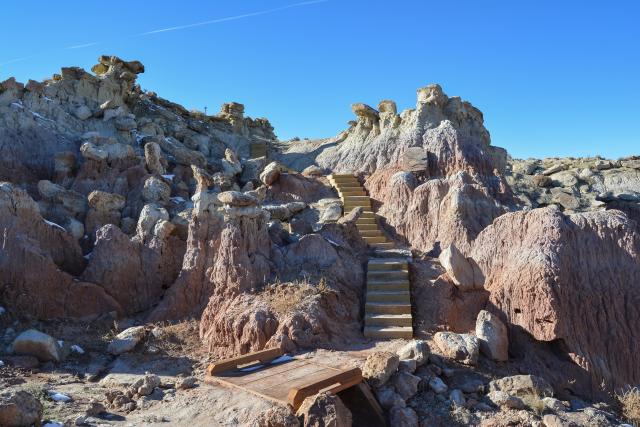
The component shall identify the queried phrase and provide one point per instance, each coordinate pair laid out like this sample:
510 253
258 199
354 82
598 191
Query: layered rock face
449 129
570 280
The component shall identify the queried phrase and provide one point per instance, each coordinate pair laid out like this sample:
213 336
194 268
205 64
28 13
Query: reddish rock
569 280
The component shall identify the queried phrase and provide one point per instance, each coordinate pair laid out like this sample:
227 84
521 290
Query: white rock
126 340
77 349
417 350
464 348
59 397
38 344
461 271
492 335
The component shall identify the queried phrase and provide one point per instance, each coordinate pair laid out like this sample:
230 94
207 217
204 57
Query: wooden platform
282 379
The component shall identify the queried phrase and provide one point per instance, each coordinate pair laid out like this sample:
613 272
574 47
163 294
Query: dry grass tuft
630 403
534 403
285 298
177 339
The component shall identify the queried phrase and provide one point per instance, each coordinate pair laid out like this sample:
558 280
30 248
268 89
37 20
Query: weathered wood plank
232 363
334 382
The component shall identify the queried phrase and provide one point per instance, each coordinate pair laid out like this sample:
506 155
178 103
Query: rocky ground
141 241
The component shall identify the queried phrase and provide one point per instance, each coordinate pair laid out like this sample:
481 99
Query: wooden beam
332 383
262 356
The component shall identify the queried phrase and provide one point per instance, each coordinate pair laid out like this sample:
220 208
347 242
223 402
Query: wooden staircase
388 302
388 305
354 195
258 149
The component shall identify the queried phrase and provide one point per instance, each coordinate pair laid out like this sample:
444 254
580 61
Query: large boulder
324 410
569 281
522 386
271 173
379 367
35 343
462 271
127 340
19 408
461 347
493 336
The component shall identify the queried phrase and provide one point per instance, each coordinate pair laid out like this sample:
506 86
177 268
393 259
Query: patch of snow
88 256
53 424
2 310
1 363
177 200
46 98
60 343
58 397
53 224
282 359
77 349
169 177
17 104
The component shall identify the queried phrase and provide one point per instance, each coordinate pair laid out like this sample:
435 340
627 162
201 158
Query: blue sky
551 77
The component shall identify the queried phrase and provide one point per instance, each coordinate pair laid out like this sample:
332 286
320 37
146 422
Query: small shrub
284 298
534 403
630 404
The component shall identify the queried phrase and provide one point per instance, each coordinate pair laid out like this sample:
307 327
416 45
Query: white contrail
80 46
182 27
232 18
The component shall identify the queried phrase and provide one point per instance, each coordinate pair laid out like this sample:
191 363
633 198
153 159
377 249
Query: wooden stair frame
354 195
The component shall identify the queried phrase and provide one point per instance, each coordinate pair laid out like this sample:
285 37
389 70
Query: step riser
386 288
387 309
367 227
388 335
388 267
387 275
392 321
375 239
396 299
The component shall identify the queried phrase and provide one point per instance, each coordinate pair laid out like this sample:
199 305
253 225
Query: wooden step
388 332
368 215
400 297
371 240
387 308
371 233
366 221
387 274
350 192
384 281
388 286
384 245
388 264
388 320
366 227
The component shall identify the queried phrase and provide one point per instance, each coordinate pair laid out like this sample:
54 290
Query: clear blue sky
551 77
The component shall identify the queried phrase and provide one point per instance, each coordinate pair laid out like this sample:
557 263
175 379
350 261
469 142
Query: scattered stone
403 417
19 408
156 190
236 198
492 335
388 398
553 169
553 404
185 383
417 350
146 385
94 408
379 367
408 365
82 112
461 271
437 385
406 384
505 400
461 347
324 409
457 397
277 416
38 344
271 173
542 180
127 340
522 385
152 158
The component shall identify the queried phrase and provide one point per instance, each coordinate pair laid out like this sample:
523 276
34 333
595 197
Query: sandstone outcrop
551 276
